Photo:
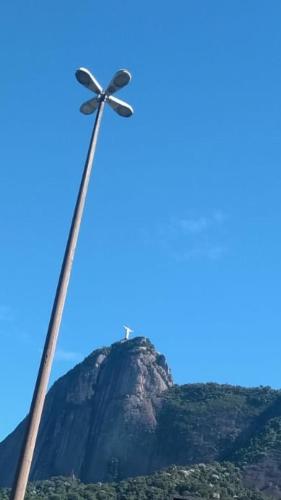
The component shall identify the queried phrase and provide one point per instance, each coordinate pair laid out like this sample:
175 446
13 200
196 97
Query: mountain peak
96 416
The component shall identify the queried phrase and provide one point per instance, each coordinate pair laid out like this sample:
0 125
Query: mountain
118 415
97 416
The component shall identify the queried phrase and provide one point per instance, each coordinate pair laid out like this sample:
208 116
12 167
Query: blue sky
181 233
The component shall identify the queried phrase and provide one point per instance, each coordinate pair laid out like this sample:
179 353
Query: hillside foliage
213 481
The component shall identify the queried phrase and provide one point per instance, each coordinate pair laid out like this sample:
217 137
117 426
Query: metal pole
36 408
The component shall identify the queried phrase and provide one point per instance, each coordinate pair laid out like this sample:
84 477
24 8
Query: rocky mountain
118 415
99 419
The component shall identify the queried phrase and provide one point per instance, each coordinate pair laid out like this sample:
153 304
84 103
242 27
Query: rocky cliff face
99 419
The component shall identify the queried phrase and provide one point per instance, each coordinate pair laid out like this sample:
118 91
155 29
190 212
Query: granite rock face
99 419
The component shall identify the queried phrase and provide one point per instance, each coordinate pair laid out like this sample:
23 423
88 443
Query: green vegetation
259 446
221 481
207 422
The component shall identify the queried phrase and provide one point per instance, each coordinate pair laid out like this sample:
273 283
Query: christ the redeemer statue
128 331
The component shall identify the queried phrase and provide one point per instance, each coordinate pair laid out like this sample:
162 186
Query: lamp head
119 80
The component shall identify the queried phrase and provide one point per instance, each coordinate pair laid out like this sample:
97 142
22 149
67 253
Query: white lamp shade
85 77
90 106
120 79
121 107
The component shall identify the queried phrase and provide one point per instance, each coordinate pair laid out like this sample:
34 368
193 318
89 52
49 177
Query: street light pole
20 482
36 408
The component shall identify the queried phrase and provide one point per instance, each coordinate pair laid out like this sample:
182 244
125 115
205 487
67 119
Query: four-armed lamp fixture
120 79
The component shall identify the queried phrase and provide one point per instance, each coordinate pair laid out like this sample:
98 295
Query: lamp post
84 76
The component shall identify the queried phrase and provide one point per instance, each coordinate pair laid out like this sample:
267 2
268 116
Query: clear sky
181 234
